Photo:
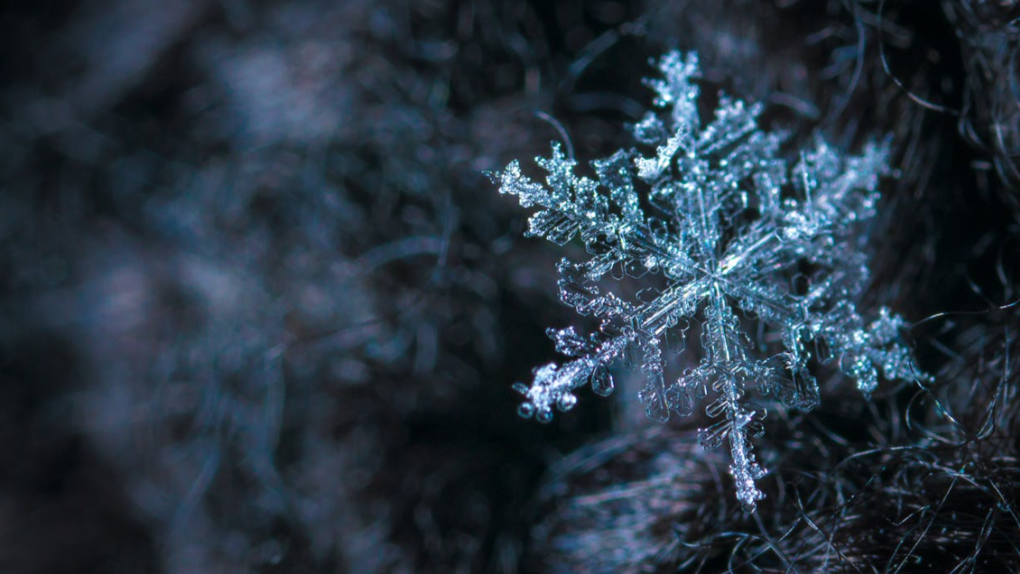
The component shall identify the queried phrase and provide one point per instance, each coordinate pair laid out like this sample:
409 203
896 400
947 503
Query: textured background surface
260 310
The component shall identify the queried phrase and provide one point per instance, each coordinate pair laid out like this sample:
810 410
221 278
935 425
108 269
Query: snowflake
736 243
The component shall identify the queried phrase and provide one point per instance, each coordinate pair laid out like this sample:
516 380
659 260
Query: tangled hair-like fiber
989 118
920 479
261 309
925 495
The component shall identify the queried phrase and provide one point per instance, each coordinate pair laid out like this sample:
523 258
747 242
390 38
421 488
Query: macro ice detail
707 230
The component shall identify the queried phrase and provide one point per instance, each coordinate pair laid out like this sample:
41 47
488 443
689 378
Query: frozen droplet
526 410
602 381
680 400
566 401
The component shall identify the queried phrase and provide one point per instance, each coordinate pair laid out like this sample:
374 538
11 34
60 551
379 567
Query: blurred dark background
260 308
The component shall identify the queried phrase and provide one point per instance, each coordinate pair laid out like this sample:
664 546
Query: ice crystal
736 242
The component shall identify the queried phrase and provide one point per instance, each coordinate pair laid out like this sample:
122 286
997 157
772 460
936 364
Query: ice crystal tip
739 242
